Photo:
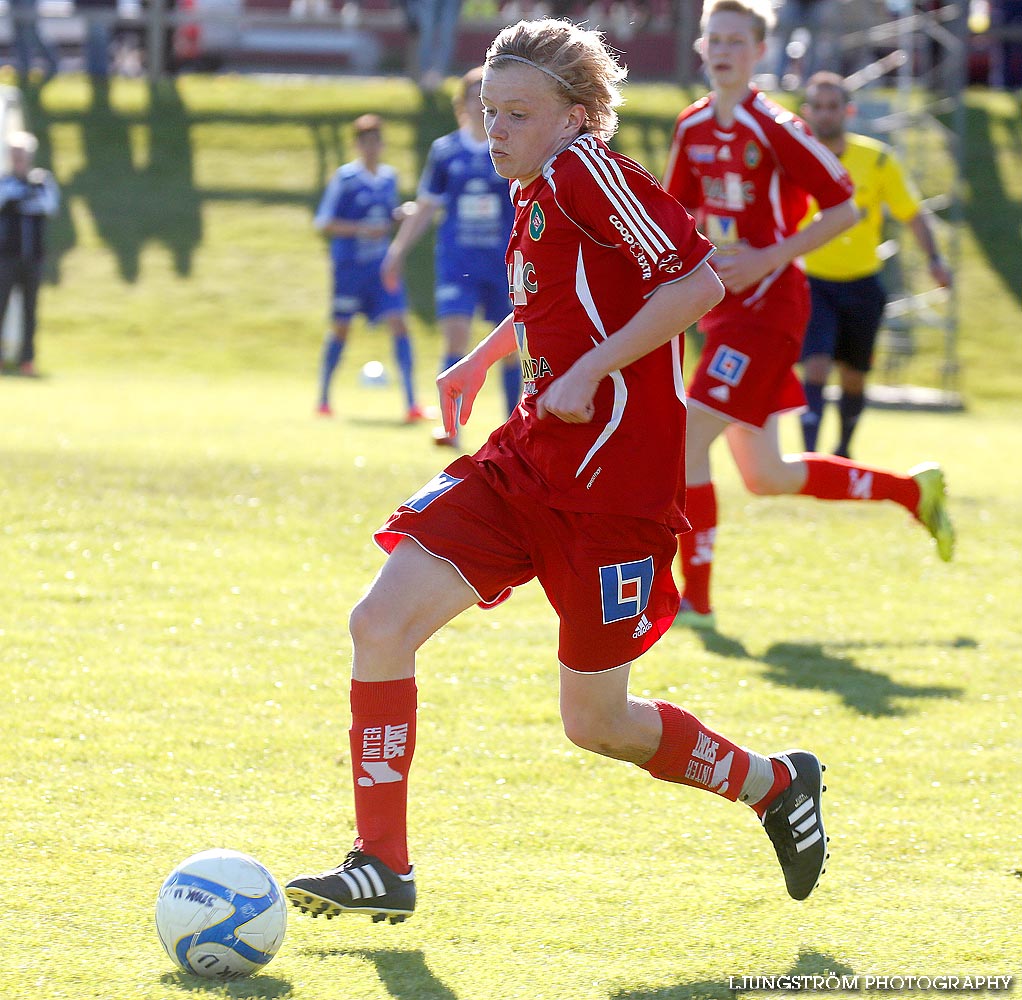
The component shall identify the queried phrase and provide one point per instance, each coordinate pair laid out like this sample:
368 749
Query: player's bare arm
416 217
667 312
741 266
460 384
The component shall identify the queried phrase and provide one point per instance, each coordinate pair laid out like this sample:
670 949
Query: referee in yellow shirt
848 298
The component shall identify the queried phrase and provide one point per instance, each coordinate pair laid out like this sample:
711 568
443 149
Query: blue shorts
462 289
358 288
845 319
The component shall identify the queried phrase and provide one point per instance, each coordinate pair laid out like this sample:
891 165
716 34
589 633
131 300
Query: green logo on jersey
537 221
753 155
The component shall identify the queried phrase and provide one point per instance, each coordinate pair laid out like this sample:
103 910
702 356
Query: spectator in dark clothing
99 26
27 41
28 195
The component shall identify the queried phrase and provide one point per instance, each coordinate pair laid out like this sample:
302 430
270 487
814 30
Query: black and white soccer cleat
794 823
363 884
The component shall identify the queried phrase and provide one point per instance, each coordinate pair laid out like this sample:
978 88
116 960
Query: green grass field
180 542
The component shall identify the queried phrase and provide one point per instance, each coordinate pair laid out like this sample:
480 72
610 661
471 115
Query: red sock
782 779
832 478
691 754
382 739
696 546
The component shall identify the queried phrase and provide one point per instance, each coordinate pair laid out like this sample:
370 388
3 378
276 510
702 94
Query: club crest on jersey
753 155
537 221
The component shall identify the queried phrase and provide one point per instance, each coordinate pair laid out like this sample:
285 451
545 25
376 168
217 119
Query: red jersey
594 236
752 180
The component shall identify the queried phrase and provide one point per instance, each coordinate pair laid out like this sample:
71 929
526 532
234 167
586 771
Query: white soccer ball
374 374
221 915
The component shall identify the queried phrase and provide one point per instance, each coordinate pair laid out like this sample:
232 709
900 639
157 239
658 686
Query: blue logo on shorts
625 589
436 487
728 365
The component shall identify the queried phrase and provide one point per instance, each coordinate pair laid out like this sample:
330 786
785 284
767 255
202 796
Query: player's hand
941 273
458 387
390 271
739 266
569 398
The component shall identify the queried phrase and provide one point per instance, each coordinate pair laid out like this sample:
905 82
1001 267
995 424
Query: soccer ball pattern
221 915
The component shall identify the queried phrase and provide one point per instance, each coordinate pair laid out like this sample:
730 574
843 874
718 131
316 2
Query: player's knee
760 483
370 626
589 732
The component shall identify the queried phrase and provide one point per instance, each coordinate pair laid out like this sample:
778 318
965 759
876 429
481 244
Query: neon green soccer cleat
932 509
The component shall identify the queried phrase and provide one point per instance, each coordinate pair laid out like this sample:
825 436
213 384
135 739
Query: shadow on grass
405 974
260 985
810 963
137 179
998 233
808 666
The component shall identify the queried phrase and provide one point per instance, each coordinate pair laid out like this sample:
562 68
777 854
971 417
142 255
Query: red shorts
745 371
608 577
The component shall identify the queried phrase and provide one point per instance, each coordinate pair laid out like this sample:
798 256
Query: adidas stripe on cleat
794 823
363 884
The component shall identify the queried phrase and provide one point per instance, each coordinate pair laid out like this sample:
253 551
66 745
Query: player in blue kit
471 240
357 212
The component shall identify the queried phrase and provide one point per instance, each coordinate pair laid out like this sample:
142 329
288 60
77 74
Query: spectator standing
28 40
99 26
437 21
459 181
810 15
848 297
746 167
28 196
578 489
357 213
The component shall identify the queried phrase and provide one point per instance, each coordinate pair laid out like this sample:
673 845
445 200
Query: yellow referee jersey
880 182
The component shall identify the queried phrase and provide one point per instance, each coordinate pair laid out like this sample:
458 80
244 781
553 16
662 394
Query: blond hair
760 11
577 61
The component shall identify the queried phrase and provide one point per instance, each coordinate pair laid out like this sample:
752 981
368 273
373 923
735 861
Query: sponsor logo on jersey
670 263
730 192
532 368
537 221
728 365
521 278
724 153
753 155
642 628
721 230
634 247
625 589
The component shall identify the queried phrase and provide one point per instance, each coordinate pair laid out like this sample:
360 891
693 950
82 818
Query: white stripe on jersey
585 297
607 174
679 132
828 159
679 374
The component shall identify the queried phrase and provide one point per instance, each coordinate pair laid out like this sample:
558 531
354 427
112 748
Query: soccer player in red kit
581 489
745 168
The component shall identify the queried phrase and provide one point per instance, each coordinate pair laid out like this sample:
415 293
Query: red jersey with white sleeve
594 236
751 180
